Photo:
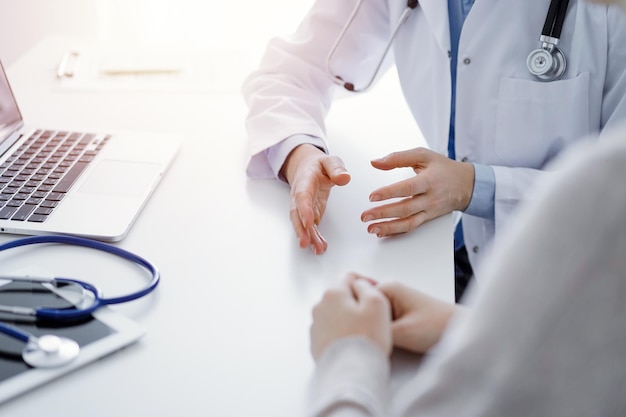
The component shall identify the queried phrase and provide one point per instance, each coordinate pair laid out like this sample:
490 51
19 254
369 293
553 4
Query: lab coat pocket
535 120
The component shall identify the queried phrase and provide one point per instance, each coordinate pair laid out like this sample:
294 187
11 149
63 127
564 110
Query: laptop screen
10 117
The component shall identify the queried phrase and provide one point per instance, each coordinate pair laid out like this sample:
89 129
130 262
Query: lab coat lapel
436 12
480 10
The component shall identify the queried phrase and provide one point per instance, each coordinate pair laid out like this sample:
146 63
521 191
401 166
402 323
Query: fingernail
375 231
375 197
368 218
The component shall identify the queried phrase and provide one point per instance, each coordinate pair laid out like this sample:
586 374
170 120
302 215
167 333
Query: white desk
227 330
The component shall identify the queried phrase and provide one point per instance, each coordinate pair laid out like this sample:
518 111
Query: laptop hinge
8 142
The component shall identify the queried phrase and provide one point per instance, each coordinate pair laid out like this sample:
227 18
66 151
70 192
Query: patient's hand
419 320
353 308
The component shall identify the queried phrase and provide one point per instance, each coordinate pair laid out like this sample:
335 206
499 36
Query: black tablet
99 335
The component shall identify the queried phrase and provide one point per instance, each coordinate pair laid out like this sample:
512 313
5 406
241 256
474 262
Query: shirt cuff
352 374
483 196
277 154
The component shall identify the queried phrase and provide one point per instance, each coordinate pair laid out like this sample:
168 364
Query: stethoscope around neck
49 351
546 63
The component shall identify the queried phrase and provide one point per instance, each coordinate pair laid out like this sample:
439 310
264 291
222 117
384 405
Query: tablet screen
83 331
97 335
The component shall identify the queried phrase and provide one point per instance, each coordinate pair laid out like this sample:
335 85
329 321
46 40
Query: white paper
140 68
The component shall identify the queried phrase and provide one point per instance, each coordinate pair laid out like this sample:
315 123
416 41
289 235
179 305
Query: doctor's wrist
467 185
294 159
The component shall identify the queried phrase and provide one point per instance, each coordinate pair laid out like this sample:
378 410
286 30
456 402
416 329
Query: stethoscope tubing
99 301
553 25
549 38
411 4
39 351
72 312
15 333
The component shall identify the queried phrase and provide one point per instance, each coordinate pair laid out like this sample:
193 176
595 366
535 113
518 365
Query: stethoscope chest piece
548 62
546 65
50 351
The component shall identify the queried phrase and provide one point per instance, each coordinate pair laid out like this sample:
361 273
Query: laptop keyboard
36 178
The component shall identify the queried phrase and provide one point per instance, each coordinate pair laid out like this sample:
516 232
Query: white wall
227 23
24 22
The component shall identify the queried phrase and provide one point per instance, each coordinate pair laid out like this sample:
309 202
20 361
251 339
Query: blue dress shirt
482 201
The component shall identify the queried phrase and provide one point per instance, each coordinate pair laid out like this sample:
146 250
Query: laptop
89 184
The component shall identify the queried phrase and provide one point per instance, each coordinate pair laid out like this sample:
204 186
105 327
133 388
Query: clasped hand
388 315
440 186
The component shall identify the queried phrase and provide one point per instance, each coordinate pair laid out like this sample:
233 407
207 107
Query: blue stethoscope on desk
50 351
547 63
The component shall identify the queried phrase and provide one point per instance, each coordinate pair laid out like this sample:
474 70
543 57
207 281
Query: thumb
336 170
396 293
364 291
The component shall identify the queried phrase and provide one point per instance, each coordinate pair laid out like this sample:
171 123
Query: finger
368 279
409 158
317 212
406 188
302 234
296 217
396 293
362 289
302 203
370 300
336 294
352 276
393 290
336 171
398 226
318 243
397 210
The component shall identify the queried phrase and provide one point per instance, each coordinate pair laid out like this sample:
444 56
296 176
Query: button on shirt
482 201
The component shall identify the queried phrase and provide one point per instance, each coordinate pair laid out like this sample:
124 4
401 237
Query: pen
63 70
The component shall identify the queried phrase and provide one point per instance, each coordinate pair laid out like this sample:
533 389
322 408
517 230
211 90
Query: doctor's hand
440 186
418 319
311 174
354 308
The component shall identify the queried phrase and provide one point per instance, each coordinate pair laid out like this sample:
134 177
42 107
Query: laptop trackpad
121 178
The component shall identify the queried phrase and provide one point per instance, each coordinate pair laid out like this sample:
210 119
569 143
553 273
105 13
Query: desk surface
227 330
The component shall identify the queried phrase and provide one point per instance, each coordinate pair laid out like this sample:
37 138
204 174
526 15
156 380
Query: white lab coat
504 118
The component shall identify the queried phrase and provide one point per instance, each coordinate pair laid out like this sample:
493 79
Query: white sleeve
291 92
277 154
350 380
546 330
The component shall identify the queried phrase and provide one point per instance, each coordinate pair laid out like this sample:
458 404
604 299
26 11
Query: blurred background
240 24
